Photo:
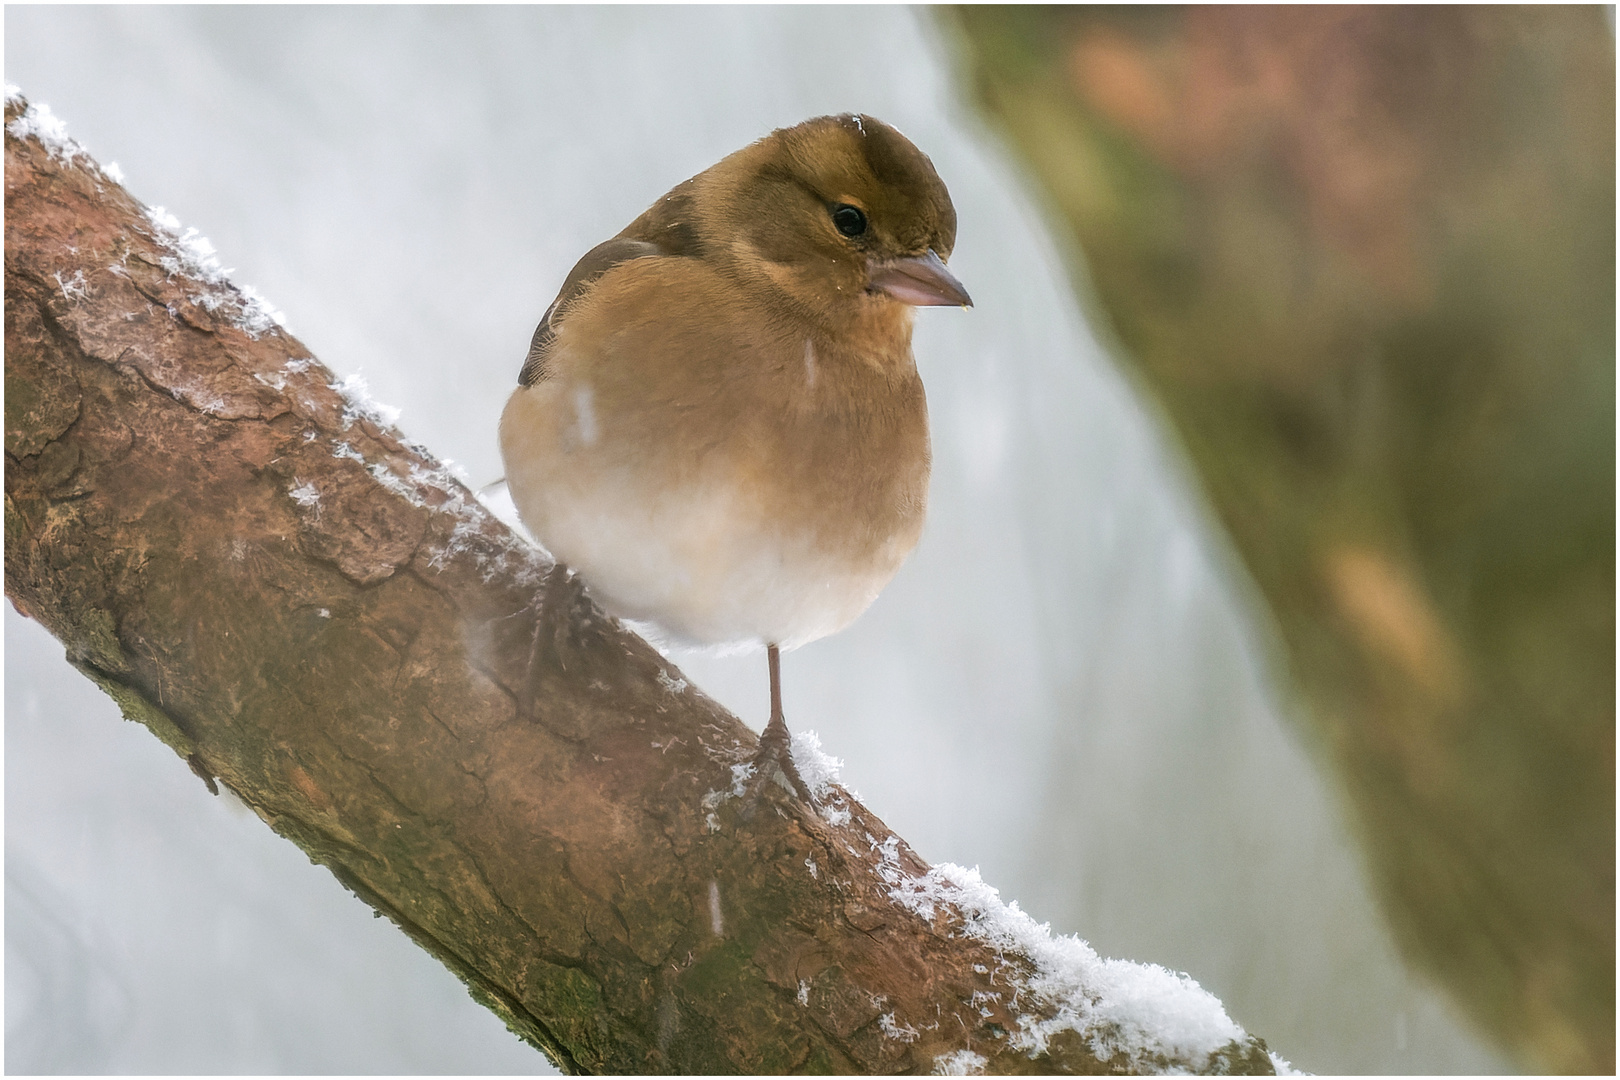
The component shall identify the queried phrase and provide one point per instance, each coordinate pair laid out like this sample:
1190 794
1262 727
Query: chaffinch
719 424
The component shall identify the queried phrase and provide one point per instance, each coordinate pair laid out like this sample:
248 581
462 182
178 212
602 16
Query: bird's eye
848 219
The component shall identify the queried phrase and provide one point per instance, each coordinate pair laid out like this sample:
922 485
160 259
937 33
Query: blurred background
1230 576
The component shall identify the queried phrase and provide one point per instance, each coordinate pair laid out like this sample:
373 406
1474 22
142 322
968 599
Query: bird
719 424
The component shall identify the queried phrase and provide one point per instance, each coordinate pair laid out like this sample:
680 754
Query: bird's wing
597 261
665 229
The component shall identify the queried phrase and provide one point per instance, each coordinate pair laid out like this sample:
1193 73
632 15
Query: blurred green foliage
1364 259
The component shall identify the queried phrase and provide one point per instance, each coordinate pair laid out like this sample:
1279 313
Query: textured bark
309 611
1364 260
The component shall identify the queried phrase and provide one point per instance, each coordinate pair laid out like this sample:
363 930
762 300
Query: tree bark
310 611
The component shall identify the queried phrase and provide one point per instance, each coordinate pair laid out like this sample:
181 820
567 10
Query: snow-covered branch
248 556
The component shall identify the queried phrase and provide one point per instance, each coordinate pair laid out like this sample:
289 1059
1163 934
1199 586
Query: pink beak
920 280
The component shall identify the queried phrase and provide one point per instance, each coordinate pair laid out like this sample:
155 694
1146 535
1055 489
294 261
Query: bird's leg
773 761
551 611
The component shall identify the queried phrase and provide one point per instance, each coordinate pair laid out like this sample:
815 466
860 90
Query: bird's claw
552 607
773 764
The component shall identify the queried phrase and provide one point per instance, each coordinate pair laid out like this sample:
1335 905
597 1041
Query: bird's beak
920 280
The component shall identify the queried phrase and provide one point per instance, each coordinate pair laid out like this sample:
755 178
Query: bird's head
841 215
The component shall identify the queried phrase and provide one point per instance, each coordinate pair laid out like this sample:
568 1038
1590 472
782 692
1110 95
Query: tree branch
308 609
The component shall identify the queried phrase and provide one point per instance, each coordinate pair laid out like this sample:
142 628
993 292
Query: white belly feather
701 560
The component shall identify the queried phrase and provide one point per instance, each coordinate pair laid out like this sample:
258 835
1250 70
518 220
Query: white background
1065 685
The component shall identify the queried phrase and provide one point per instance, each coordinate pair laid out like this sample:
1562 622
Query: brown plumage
719 423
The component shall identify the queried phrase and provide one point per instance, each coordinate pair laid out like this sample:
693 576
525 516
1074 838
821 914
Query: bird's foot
553 606
773 764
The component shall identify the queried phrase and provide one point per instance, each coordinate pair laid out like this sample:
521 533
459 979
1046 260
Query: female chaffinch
719 424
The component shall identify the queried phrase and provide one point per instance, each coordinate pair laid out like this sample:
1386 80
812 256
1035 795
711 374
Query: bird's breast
731 485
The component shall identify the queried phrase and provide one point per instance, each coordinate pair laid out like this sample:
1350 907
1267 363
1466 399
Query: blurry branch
310 611
1364 259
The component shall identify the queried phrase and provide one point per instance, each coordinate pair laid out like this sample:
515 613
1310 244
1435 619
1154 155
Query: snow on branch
246 554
